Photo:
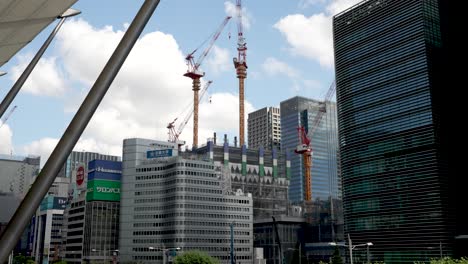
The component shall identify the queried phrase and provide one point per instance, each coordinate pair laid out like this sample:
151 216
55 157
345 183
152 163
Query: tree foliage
195 257
336 258
20 259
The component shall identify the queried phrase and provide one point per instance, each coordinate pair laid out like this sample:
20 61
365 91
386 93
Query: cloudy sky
289 53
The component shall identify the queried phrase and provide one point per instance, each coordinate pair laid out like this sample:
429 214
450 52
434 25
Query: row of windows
205 249
178 189
191 223
192 206
191 214
191 231
191 198
178 164
190 240
173 173
190 181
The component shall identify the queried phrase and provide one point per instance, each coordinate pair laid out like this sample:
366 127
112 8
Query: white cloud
306 3
231 10
46 79
311 37
148 93
273 66
6 145
219 61
42 147
337 6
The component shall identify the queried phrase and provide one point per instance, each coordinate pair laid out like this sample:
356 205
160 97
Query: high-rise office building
169 202
300 111
92 219
264 128
18 173
77 159
47 227
401 188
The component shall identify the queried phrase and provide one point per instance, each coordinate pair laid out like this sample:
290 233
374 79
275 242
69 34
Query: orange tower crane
175 133
305 146
195 74
240 63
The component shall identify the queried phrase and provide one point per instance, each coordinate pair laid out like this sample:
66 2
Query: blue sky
289 53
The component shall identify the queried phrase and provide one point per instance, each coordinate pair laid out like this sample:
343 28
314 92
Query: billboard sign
151 154
80 175
102 190
53 202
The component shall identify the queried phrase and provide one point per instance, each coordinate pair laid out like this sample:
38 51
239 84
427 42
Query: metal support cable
44 180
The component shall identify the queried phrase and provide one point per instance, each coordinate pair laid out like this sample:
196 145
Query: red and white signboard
80 175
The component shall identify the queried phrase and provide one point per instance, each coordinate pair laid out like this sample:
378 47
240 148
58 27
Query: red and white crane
305 145
194 72
240 63
175 133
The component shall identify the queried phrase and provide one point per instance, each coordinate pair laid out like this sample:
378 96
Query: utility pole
350 243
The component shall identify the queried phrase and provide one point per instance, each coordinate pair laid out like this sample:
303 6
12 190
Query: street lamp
351 247
164 250
24 76
294 249
2 73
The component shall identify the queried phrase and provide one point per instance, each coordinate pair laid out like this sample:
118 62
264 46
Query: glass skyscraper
398 192
300 111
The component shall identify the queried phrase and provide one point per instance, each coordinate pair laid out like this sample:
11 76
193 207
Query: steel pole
368 256
24 76
58 157
350 243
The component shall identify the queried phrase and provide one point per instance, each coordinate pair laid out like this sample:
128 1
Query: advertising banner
159 153
102 190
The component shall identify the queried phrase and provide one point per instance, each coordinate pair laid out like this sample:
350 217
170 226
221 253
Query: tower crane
305 147
195 74
5 118
175 133
240 64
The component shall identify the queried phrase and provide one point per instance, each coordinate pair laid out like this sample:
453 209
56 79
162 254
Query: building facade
264 128
78 159
73 230
47 230
18 173
326 182
399 186
263 173
101 236
169 202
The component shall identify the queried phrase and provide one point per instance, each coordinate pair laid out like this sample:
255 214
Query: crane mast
195 74
175 133
305 146
240 64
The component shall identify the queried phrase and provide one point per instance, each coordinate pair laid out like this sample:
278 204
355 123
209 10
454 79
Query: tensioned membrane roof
22 20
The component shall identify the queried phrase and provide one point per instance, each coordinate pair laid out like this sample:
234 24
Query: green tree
195 257
20 259
336 258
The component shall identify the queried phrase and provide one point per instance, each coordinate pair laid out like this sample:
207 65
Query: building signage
103 190
159 153
80 175
53 202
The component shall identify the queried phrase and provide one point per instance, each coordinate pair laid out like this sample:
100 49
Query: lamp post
351 247
24 76
164 250
300 254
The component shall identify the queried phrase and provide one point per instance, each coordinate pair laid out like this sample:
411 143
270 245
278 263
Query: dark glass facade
397 189
300 111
